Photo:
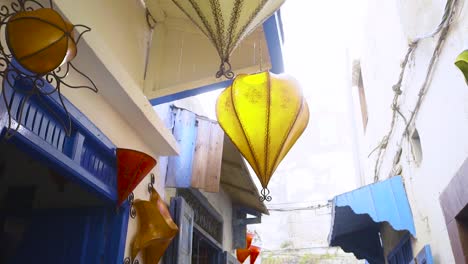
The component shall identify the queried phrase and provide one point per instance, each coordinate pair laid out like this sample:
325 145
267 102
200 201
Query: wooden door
180 250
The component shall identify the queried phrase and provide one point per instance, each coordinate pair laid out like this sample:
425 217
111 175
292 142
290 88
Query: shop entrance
45 218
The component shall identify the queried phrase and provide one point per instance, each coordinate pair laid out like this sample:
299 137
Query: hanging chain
131 199
151 184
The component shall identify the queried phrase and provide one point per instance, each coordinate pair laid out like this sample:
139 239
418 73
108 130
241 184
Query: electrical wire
307 208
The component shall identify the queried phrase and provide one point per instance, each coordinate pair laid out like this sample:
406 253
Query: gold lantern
40 40
227 23
462 63
37 46
156 228
263 114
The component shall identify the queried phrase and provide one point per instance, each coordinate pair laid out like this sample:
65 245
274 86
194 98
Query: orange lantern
254 252
242 254
132 167
40 40
156 228
249 237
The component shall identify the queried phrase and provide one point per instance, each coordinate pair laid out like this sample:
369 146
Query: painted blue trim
87 156
273 29
191 92
357 216
274 37
119 234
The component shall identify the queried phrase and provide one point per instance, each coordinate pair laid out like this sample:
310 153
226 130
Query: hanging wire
451 11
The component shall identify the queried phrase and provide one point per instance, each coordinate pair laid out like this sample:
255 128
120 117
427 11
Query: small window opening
416 147
359 83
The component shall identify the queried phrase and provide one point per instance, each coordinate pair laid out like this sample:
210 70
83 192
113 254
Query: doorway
203 250
45 218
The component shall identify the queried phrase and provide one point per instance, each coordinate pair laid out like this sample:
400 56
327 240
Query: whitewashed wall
442 120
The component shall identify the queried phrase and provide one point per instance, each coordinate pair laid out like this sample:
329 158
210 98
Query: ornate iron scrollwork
127 260
151 184
39 85
131 199
265 195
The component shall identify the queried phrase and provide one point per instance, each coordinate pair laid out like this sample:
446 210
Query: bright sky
320 41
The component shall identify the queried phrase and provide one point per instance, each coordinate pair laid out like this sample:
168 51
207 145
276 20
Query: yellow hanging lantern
263 114
40 40
462 63
227 23
156 228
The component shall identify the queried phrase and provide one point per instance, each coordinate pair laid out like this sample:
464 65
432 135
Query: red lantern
254 252
132 167
242 254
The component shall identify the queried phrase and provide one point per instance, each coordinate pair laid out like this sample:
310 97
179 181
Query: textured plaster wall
122 135
442 121
115 126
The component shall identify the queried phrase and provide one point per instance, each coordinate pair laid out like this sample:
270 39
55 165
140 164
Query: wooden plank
200 157
179 169
215 157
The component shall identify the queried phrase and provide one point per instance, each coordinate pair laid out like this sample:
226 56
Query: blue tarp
357 215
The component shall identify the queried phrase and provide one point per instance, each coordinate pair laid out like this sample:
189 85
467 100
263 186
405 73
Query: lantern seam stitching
233 22
206 24
289 130
267 134
41 50
243 128
219 23
256 11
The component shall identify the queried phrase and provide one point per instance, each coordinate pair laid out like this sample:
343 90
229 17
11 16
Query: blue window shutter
424 256
198 164
179 168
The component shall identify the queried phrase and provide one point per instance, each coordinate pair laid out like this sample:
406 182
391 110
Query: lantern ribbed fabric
156 229
132 167
243 253
226 23
254 252
462 63
40 40
263 114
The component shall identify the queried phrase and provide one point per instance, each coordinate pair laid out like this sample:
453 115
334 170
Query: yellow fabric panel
264 114
462 63
227 23
227 118
155 230
40 40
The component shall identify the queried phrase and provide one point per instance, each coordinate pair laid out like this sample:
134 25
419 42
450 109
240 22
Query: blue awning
357 215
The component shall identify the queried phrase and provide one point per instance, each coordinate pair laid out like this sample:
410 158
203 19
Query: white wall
442 120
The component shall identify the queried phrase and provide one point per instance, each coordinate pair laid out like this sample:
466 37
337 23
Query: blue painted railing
85 156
